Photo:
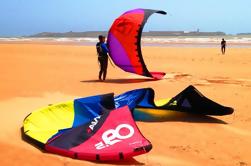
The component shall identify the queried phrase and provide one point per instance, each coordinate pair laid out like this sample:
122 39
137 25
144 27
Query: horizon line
96 31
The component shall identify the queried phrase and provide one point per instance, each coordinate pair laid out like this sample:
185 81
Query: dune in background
35 75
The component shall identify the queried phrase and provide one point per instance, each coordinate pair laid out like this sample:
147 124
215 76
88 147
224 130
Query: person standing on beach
223 46
102 51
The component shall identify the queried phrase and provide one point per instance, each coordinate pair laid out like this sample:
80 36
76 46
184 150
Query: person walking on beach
223 46
102 51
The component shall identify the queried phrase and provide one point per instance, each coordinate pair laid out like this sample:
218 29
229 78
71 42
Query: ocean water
235 41
232 41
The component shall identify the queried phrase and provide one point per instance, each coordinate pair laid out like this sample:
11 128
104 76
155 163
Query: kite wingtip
157 75
161 12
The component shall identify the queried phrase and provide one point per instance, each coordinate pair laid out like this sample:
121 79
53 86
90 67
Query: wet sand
35 75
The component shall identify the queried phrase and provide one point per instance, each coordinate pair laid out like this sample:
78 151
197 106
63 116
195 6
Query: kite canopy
86 129
103 128
124 42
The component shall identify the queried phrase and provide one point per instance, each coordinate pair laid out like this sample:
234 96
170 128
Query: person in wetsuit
102 51
223 46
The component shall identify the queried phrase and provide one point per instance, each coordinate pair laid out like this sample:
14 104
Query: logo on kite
113 136
94 122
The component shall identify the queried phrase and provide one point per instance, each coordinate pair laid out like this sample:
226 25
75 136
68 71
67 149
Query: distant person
102 51
223 46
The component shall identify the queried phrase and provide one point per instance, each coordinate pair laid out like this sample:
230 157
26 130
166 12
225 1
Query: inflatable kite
103 128
124 42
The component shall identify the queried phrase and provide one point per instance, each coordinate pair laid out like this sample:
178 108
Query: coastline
183 41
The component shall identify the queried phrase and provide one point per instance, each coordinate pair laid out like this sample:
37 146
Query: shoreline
182 42
169 45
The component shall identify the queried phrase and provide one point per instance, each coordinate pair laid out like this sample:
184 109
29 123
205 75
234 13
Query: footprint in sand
243 163
181 148
177 76
224 80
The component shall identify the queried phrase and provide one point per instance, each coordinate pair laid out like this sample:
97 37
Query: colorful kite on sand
124 42
103 127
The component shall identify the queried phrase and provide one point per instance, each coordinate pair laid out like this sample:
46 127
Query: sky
26 17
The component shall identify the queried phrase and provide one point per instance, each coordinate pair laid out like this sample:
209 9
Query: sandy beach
33 75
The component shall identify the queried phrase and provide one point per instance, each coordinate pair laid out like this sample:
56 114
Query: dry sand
35 75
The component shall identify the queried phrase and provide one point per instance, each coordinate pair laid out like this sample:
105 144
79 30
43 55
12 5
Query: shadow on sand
121 80
172 116
131 161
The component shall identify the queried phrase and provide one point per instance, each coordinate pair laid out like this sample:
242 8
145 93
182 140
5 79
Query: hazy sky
25 17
